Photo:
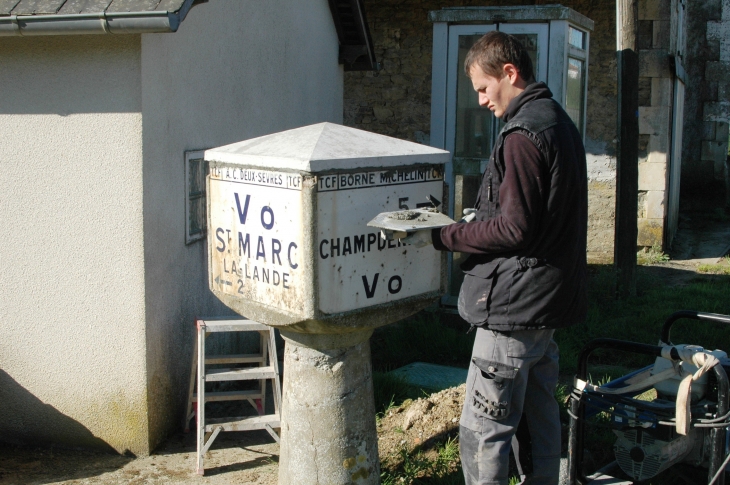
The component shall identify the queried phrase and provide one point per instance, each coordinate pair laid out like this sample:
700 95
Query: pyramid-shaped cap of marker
323 147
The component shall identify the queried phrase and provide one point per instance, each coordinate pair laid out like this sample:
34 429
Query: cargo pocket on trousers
491 393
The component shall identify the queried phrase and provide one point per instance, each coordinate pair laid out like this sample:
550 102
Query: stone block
382 113
654 204
717 71
654 120
721 132
654 63
708 130
720 168
723 91
651 232
661 157
659 143
718 31
719 111
661 91
710 91
393 93
652 176
646 34
645 91
712 50
706 9
661 34
714 150
643 145
641 205
654 10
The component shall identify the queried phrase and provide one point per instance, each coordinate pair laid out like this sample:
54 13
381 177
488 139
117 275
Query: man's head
499 68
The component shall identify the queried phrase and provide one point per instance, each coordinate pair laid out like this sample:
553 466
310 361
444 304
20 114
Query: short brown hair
495 49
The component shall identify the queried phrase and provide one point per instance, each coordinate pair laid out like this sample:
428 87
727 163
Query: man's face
493 93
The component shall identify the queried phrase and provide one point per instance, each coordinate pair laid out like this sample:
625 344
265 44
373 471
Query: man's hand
418 239
469 215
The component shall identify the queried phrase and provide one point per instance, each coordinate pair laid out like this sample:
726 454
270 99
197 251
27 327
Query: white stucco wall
236 69
98 290
72 352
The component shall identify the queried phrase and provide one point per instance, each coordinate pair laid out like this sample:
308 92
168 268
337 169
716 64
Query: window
195 201
575 38
575 91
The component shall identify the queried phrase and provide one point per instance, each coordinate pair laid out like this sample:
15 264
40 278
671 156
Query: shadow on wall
28 420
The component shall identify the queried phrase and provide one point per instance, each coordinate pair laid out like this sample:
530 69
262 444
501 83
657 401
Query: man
526 272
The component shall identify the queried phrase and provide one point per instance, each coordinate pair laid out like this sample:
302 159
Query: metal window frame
192 238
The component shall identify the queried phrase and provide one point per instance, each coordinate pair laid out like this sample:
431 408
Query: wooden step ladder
267 368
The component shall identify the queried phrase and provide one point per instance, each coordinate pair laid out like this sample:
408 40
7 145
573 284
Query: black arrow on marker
219 281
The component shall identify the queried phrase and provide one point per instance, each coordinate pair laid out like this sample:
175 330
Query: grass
639 319
413 466
390 389
652 255
720 268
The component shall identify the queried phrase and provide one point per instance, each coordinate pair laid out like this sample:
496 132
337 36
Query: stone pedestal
328 433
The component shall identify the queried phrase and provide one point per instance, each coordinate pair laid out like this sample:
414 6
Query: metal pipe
575 442
709 317
717 435
101 23
610 343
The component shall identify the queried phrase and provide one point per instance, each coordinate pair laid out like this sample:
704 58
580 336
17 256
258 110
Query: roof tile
37 7
170 5
132 5
72 7
6 6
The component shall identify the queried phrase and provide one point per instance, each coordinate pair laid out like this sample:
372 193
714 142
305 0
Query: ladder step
247 374
234 359
230 395
234 326
243 423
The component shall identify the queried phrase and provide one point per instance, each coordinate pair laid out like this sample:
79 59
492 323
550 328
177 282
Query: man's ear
511 71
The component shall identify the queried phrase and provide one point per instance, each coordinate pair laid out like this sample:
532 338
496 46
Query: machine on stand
686 423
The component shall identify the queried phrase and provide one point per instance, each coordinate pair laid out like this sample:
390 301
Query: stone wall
397 100
655 117
707 109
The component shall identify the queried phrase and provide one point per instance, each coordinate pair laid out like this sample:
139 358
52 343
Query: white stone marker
289 246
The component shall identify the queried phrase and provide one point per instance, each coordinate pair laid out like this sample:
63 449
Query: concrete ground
235 458
703 236
252 457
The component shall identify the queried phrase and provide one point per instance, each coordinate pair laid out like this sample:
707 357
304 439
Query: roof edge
357 51
510 14
146 22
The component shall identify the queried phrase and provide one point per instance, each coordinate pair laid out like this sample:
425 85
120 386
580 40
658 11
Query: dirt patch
420 425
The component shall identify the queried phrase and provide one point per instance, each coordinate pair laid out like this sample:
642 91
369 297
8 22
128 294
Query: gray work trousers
510 373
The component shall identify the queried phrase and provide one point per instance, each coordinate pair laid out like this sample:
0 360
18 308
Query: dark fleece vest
543 284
